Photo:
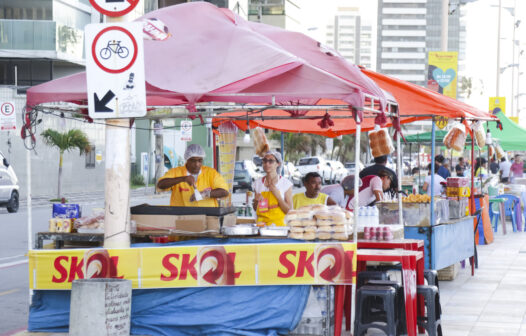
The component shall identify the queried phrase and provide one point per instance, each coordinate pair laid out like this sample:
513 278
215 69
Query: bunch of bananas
412 198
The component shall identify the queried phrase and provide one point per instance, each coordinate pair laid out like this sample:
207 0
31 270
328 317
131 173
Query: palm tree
67 141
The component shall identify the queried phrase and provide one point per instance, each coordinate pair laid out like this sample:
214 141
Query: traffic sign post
114 8
7 116
115 70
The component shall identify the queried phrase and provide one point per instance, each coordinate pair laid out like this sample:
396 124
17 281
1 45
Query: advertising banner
198 266
442 72
497 102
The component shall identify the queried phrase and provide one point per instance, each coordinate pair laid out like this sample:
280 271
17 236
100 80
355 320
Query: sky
481 43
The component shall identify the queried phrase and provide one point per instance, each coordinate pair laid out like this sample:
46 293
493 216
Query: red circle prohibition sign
94 54
107 12
2 109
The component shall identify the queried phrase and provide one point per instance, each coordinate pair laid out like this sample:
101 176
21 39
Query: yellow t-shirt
301 200
207 178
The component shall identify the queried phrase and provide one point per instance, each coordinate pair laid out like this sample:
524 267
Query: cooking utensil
274 231
240 230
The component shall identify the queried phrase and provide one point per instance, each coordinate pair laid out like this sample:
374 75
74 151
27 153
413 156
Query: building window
90 157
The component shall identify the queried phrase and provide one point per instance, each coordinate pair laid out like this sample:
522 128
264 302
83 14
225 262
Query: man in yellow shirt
193 175
312 194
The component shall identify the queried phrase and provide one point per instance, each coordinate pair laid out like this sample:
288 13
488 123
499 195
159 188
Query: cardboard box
457 191
457 182
186 223
214 223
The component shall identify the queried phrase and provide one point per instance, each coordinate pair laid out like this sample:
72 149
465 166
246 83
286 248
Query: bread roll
323 235
296 229
309 236
339 228
294 223
310 229
339 236
325 228
295 235
308 222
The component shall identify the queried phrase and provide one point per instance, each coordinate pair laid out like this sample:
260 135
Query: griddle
146 209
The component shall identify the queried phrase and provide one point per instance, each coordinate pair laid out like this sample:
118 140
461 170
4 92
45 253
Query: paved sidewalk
493 302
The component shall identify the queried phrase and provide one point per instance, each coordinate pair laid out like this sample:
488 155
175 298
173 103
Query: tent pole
399 172
355 207
432 184
29 212
282 152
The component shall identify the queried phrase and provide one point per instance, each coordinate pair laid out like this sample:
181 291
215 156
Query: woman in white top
437 186
273 193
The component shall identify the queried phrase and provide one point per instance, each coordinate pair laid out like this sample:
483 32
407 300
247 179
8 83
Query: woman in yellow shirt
273 193
312 194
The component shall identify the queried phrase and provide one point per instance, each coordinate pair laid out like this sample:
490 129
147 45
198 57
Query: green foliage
72 139
137 180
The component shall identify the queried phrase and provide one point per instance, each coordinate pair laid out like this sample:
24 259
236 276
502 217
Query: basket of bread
380 142
319 222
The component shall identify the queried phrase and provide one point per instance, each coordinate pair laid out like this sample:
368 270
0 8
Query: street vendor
380 164
273 193
312 195
184 180
371 189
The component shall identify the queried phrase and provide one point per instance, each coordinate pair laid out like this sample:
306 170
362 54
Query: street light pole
444 32
498 52
515 23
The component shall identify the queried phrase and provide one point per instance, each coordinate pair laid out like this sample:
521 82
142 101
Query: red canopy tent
213 55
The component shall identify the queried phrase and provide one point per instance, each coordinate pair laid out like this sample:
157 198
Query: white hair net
194 150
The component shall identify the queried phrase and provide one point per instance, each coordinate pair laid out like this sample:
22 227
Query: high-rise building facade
351 36
407 31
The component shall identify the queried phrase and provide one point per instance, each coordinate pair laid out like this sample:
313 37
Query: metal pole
444 24
432 183
355 207
399 172
513 62
29 209
497 90
282 153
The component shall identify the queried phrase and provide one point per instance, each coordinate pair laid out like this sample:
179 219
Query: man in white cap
184 180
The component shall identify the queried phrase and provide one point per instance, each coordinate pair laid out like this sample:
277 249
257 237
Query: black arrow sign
100 105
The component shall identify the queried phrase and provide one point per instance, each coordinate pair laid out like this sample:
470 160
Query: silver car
9 195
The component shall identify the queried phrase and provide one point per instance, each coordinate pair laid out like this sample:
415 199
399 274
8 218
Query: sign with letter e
7 116
115 70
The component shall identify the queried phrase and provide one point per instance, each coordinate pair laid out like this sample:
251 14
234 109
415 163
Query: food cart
289 72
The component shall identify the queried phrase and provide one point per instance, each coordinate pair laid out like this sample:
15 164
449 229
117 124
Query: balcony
38 38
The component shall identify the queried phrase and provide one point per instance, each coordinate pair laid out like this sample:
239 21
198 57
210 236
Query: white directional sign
114 7
115 70
7 116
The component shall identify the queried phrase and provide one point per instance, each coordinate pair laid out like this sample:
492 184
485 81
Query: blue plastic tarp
249 311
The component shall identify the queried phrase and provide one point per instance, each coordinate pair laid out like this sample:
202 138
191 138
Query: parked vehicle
9 194
314 164
292 173
351 167
245 173
338 171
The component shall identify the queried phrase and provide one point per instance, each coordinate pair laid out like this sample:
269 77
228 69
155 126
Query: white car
338 171
292 173
314 164
351 167
9 195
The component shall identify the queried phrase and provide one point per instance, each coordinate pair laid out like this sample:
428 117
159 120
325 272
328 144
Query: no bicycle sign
115 70
114 7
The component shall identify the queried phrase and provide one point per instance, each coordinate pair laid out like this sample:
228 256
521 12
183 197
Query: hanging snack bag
260 141
456 138
491 151
479 134
380 142
499 151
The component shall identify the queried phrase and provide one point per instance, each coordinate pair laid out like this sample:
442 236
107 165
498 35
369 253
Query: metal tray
146 209
240 230
274 232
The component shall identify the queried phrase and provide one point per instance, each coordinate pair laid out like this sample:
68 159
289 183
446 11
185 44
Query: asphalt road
14 280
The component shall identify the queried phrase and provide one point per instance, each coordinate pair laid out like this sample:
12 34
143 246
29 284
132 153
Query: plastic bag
456 138
380 142
260 141
500 152
479 134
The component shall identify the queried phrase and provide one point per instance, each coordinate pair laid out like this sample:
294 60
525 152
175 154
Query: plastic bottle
376 215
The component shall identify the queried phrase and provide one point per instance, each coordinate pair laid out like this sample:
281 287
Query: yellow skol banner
198 266
497 102
442 72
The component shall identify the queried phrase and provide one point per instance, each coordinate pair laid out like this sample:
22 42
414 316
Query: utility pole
497 89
